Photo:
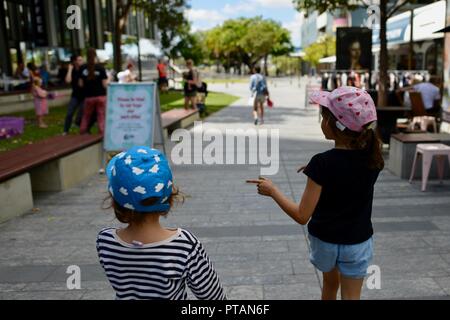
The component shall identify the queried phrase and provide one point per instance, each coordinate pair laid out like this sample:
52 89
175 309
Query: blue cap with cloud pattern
138 174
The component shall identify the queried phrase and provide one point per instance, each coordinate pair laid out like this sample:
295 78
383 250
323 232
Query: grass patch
32 133
214 102
55 119
230 80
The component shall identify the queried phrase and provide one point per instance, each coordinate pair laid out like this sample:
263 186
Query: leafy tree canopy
247 40
324 47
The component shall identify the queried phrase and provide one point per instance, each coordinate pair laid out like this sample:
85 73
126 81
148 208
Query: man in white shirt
127 76
431 95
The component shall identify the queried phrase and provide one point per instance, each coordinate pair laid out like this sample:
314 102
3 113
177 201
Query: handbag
251 100
269 103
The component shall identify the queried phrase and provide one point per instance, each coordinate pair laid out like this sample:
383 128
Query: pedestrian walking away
259 94
337 200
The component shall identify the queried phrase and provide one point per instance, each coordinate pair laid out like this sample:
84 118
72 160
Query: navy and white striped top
158 270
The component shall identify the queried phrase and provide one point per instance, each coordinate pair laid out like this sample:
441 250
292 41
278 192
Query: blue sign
130 115
396 29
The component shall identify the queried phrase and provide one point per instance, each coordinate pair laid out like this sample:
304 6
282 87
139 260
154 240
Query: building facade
36 30
316 25
428 45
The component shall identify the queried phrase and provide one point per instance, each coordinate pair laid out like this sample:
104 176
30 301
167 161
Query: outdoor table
402 148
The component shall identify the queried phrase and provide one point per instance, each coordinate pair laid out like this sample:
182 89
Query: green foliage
167 14
32 133
286 65
55 119
170 19
247 40
190 46
324 47
324 5
214 102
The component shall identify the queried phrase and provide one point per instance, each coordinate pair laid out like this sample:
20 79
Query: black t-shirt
93 87
343 213
77 91
189 88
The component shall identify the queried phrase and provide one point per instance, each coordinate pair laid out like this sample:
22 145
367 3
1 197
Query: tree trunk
266 70
117 44
411 42
383 65
122 10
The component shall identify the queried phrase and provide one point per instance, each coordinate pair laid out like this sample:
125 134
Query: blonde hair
37 81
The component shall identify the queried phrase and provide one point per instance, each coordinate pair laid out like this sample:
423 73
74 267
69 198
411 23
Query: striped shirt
159 270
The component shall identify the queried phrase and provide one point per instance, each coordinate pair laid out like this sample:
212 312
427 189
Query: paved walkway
258 251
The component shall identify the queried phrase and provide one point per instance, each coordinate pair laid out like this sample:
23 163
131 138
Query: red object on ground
269 103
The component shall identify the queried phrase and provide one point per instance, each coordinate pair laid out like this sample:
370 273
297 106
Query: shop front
427 53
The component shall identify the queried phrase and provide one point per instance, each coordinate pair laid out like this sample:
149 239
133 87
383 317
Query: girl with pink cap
337 201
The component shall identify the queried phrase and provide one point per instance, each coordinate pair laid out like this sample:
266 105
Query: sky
205 14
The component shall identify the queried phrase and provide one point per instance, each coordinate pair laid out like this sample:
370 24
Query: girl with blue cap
145 260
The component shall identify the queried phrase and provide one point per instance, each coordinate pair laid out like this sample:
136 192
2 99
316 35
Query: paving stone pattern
257 250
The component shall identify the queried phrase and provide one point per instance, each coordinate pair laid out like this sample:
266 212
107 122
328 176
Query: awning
297 54
427 19
446 29
331 59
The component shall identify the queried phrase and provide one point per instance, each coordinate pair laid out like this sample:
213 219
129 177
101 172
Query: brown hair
129 216
367 140
91 59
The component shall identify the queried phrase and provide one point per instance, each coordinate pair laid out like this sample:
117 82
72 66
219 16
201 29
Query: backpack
261 87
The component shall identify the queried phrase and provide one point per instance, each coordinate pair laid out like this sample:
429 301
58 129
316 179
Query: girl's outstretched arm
302 212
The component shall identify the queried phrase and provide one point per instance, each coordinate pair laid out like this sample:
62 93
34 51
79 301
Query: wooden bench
402 148
178 118
54 164
59 163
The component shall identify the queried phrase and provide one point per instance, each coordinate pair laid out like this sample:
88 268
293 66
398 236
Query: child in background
40 101
202 93
145 260
338 197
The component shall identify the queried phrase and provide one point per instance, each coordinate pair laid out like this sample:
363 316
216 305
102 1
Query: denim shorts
352 261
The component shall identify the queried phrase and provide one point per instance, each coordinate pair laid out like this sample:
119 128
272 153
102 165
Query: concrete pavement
258 251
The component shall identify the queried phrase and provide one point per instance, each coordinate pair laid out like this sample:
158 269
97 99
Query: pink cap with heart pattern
352 107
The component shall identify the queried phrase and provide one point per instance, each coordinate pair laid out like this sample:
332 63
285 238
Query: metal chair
419 113
428 151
